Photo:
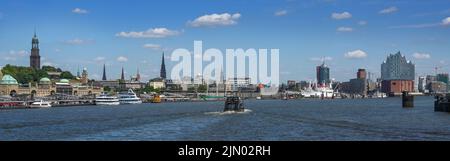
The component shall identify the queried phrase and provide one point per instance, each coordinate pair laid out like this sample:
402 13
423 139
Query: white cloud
152 46
446 21
9 58
224 19
122 59
327 58
150 33
357 54
421 56
78 41
281 13
19 53
14 55
100 58
80 11
341 16
425 25
389 10
362 23
344 29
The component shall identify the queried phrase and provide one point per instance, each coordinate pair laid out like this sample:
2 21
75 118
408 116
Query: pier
55 103
407 100
442 103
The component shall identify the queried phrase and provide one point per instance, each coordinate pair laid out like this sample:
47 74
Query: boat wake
246 111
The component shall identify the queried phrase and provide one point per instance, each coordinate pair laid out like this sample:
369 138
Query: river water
292 120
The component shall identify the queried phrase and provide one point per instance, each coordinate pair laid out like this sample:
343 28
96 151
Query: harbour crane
436 69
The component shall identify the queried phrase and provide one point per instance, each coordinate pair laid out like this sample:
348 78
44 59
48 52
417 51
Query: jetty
442 103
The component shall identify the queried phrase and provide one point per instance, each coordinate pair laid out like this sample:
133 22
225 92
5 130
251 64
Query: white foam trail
229 112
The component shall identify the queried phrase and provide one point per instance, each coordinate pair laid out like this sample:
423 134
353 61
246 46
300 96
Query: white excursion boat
105 99
319 92
40 104
129 98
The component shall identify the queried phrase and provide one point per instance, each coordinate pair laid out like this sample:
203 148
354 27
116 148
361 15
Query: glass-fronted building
323 75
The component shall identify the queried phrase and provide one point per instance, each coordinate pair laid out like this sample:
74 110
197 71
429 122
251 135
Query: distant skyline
347 34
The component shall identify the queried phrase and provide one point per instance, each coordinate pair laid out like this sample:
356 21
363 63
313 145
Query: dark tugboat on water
234 104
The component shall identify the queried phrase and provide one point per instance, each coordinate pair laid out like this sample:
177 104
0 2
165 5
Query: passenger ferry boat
129 98
40 104
105 99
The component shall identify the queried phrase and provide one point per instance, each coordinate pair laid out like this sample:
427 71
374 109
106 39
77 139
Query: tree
25 75
49 68
67 75
106 89
202 88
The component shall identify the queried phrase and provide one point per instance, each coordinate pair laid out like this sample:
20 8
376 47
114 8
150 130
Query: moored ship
129 98
105 99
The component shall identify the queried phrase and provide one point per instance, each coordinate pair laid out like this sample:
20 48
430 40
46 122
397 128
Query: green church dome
64 81
8 79
44 80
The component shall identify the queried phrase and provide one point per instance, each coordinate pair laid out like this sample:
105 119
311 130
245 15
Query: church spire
104 72
138 76
163 68
122 76
35 58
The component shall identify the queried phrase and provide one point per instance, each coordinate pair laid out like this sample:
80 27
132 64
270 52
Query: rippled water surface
359 119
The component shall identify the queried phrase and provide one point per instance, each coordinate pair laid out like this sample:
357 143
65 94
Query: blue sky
348 34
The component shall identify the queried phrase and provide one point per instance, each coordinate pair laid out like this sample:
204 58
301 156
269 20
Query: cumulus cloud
152 46
80 11
446 21
122 59
281 13
421 56
362 23
224 19
344 29
150 33
20 53
9 58
13 55
415 26
357 54
389 10
341 16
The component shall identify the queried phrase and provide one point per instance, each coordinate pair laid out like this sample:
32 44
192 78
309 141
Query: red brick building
397 86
